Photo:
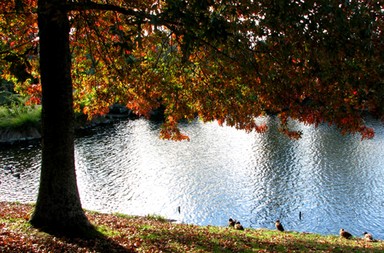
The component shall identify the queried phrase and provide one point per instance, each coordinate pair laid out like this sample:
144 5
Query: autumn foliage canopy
230 61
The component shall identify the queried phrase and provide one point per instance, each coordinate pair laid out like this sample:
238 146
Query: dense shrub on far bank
18 121
16 116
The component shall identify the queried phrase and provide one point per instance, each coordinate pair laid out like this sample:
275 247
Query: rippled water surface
334 181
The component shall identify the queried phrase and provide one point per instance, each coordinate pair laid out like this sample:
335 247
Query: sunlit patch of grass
150 236
17 116
125 216
145 227
156 217
16 224
106 231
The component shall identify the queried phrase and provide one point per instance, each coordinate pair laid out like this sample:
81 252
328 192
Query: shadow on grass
38 241
99 243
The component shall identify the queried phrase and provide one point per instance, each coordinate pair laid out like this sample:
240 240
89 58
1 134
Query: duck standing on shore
345 234
238 226
231 222
279 226
368 237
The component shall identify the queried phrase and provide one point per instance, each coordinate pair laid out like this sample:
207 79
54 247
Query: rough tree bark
58 207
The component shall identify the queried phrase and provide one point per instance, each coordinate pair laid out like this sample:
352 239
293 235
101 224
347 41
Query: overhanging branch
140 15
89 5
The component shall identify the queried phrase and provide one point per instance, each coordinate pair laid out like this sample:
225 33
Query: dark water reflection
334 181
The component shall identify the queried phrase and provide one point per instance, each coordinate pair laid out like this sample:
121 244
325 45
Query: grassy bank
15 117
152 234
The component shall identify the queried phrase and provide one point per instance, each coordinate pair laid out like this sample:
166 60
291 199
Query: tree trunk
58 208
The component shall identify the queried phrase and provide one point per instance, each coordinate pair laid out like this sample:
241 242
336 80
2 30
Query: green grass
106 231
156 217
15 114
126 216
19 116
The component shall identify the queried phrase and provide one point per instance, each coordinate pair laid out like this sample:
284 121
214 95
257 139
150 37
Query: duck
238 226
10 170
345 234
368 237
231 222
279 226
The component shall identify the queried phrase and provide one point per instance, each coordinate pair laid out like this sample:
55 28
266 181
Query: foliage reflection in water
333 181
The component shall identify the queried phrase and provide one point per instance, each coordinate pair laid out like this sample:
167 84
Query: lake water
334 181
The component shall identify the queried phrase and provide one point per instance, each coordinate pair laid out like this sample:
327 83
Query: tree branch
89 5
6 51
